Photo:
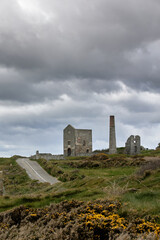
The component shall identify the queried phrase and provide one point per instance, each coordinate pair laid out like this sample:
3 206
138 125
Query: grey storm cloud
93 39
77 61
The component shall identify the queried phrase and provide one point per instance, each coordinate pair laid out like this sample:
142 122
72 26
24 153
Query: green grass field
86 179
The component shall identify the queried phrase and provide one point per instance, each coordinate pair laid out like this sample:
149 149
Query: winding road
35 171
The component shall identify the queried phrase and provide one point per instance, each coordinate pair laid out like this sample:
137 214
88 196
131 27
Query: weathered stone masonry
77 142
112 136
133 145
47 156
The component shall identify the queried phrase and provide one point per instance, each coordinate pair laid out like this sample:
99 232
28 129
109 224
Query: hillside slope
130 186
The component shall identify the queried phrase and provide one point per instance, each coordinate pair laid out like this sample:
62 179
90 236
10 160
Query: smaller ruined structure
77 142
47 156
112 136
133 145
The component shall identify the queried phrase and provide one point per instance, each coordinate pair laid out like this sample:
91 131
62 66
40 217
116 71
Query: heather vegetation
131 184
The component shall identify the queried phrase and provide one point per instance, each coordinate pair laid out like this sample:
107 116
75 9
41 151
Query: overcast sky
77 62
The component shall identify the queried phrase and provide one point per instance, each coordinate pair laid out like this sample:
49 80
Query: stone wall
47 156
83 142
69 141
133 145
77 142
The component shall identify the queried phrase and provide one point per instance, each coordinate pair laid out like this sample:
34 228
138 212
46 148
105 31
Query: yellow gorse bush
98 219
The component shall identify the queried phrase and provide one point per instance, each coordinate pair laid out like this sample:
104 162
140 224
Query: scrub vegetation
131 184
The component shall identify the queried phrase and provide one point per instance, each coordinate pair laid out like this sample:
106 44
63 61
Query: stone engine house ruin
77 142
133 145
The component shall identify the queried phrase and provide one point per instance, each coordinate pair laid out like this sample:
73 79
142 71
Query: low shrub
70 176
99 157
148 168
74 220
116 161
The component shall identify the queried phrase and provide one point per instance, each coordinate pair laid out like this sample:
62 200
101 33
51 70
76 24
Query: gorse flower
93 220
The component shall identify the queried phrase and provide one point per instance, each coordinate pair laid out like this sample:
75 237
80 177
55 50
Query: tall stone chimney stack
112 137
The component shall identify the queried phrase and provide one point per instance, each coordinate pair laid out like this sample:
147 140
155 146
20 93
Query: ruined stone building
77 142
133 145
47 156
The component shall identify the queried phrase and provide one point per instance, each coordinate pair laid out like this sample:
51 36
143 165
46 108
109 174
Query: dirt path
35 171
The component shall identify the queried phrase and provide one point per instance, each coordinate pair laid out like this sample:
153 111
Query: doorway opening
69 152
